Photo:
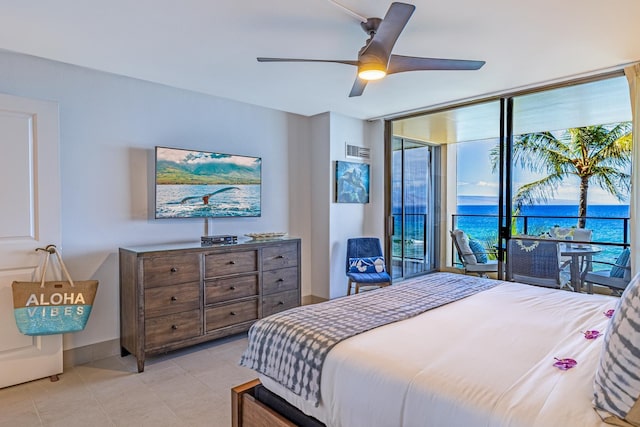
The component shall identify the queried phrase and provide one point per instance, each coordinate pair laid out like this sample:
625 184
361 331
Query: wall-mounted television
203 184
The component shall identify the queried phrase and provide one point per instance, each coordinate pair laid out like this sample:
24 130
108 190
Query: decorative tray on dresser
173 296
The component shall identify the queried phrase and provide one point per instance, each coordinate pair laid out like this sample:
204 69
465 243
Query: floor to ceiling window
474 186
477 142
476 209
565 172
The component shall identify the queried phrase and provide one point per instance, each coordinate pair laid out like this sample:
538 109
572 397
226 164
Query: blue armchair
365 263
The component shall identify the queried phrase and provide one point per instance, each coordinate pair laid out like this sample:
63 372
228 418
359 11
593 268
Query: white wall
320 192
374 219
300 196
109 126
350 219
333 223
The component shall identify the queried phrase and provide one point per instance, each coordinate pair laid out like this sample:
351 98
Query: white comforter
486 360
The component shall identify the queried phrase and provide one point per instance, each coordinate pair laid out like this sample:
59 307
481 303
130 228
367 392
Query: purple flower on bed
564 364
609 313
591 335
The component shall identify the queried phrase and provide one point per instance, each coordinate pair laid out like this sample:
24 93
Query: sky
180 155
479 180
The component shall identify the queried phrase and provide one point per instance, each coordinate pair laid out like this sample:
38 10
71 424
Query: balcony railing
415 234
612 233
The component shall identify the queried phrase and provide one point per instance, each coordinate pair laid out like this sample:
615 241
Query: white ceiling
597 102
211 46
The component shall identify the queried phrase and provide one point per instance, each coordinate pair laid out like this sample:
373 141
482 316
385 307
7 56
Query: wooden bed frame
248 411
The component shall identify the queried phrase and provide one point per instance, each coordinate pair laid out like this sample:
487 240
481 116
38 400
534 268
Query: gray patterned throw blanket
290 347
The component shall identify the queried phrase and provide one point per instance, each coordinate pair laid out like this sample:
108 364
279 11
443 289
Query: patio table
578 252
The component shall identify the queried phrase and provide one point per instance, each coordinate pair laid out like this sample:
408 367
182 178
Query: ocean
608 223
202 201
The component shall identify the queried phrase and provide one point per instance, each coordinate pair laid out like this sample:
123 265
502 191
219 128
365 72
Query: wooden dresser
173 296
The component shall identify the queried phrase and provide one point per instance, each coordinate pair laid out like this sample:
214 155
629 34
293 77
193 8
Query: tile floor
189 387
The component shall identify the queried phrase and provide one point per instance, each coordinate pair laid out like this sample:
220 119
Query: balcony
611 233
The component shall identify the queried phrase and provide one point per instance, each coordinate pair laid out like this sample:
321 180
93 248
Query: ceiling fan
375 59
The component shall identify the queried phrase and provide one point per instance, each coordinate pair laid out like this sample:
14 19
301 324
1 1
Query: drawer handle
233 313
280 302
174 299
174 327
280 280
232 262
280 257
174 270
233 288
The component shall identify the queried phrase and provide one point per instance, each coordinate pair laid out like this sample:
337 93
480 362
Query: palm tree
598 154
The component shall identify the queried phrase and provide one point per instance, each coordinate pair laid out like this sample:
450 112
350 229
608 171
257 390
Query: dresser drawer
169 270
223 264
164 330
279 302
282 279
230 314
218 290
279 256
163 300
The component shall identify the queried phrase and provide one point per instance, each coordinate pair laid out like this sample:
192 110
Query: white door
29 218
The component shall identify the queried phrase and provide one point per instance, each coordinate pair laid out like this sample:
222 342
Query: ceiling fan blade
399 64
390 28
376 54
358 87
337 61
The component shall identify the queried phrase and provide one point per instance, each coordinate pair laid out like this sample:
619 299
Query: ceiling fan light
371 71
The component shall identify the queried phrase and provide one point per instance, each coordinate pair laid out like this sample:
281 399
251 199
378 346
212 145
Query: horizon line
492 200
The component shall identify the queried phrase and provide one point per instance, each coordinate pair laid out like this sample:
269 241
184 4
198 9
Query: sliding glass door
493 181
412 213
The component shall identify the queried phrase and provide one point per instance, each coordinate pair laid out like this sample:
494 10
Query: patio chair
473 256
578 235
365 264
535 262
571 233
616 277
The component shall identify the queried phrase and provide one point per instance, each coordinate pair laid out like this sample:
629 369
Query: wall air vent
354 151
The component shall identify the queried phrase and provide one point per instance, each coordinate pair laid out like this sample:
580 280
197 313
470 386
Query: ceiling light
372 71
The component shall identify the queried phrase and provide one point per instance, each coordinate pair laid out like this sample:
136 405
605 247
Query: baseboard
312 299
90 353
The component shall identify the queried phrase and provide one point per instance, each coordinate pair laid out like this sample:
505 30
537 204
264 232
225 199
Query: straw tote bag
53 307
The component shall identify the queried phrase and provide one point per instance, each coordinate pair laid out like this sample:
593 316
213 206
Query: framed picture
352 182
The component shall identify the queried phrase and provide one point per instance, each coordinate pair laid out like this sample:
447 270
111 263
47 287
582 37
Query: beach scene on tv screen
198 184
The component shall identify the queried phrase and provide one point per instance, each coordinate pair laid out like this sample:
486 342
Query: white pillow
560 233
582 235
463 243
617 381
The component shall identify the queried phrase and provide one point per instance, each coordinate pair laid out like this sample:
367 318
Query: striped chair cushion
617 380
623 260
479 251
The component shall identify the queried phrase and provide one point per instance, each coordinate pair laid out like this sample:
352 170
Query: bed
484 359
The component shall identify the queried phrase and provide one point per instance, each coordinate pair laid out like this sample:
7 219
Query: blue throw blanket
290 347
